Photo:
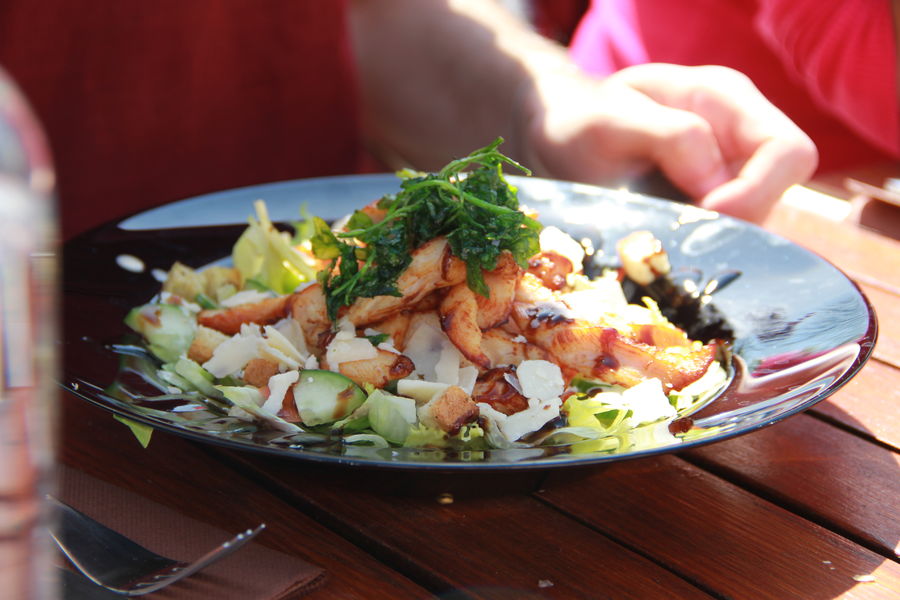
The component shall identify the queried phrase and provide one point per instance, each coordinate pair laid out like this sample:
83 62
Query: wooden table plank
719 535
868 403
179 474
874 174
483 544
852 249
836 478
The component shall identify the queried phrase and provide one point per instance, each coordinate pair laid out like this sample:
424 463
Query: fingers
686 150
762 151
773 155
775 166
610 130
708 129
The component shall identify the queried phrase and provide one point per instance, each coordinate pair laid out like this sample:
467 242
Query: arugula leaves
477 210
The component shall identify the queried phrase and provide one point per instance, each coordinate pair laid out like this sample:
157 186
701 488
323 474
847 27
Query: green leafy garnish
478 212
378 338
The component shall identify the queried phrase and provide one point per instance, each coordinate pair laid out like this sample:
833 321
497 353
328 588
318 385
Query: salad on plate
441 316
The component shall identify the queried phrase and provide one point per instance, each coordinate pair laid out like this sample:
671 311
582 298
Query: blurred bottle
28 321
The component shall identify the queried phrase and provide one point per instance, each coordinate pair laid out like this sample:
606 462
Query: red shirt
148 102
830 65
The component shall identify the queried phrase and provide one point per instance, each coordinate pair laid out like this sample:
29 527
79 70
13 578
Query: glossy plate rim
570 205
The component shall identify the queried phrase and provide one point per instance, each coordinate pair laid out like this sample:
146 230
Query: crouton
183 281
259 370
453 408
206 340
215 282
221 282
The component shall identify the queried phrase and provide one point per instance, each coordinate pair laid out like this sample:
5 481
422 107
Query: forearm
440 78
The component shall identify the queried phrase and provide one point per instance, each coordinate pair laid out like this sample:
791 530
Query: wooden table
807 508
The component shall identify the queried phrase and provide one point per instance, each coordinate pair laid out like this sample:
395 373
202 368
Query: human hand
708 129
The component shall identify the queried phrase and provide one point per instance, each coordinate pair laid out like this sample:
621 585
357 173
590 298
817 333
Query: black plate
802 328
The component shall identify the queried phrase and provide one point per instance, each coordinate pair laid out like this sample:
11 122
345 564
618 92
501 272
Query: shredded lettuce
367 439
141 432
391 416
593 413
565 436
698 392
264 255
421 435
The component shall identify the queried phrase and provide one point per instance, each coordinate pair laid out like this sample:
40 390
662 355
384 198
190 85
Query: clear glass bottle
28 322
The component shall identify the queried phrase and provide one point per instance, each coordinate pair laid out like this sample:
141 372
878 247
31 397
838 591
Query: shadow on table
441 485
877 215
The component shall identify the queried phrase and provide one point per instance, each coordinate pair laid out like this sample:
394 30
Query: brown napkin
253 572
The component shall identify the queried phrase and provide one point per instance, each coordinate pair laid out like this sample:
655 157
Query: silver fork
115 562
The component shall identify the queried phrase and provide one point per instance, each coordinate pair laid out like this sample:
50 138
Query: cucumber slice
197 376
174 379
326 396
167 329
